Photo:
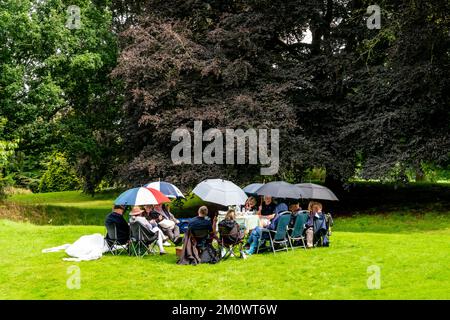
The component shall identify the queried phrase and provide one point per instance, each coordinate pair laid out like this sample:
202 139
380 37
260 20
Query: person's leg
253 240
160 242
241 251
169 233
309 237
263 238
165 233
176 234
250 239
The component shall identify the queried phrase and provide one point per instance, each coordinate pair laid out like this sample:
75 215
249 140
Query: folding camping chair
202 238
278 236
141 237
204 243
229 239
112 241
295 234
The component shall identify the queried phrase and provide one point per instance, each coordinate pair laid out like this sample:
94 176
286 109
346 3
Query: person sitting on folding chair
256 234
198 249
115 220
316 226
322 227
137 215
153 215
230 235
167 223
201 221
295 208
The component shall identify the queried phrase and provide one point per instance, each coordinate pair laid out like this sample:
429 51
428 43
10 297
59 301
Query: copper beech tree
350 97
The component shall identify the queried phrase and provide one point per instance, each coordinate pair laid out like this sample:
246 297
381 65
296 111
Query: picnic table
247 221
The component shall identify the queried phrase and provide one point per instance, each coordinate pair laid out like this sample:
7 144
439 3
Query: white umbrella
221 192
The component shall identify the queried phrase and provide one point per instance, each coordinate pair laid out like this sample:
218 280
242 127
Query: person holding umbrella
167 222
137 216
256 234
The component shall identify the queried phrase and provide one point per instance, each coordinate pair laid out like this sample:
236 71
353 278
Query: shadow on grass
53 215
74 208
388 222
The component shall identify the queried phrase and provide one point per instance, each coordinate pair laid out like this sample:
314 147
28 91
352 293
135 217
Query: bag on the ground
209 255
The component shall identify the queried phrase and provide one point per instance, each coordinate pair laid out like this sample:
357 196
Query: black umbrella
252 188
316 191
280 189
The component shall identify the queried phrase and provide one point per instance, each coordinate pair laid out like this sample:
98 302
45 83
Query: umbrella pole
264 181
261 202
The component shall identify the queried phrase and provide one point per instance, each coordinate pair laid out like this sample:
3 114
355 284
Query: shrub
59 176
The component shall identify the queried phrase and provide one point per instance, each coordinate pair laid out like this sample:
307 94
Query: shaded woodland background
94 107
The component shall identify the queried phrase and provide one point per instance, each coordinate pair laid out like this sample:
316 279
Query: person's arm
214 224
172 217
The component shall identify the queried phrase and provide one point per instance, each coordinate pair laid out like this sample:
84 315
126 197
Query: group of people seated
270 212
155 218
318 225
201 231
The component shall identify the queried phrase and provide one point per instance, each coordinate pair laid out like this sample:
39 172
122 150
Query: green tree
6 152
54 84
352 96
59 176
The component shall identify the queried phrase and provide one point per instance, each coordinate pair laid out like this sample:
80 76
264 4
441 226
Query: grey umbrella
315 191
252 188
280 189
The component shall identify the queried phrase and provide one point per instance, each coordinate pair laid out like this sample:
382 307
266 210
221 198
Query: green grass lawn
412 252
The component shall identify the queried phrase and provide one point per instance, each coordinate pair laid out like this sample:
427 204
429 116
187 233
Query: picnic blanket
88 247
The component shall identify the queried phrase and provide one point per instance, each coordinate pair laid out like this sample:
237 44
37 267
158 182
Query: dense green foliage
6 151
348 102
375 101
54 86
59 176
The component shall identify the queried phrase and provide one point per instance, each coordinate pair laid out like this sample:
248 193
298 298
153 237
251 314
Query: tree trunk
420 175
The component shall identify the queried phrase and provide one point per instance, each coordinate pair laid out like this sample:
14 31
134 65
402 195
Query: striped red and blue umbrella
140 197
168 189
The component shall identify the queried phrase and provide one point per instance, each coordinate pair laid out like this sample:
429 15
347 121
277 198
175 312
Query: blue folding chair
278 236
